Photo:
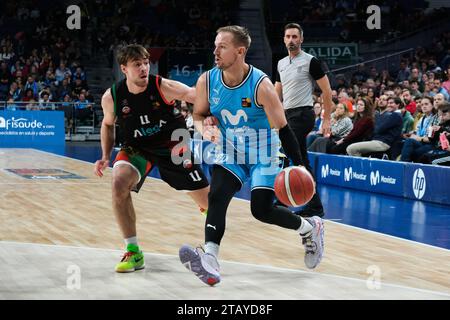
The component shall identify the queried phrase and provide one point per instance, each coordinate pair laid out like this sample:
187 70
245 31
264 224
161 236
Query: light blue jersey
249 146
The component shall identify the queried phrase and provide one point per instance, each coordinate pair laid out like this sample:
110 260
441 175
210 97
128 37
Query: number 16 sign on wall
186 67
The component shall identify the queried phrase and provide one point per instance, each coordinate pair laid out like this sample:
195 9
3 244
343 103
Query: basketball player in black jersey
143 107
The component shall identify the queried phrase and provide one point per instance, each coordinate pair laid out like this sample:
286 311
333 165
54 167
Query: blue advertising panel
355 173
330 169
32 129
428 183
372 175
312 157
385 176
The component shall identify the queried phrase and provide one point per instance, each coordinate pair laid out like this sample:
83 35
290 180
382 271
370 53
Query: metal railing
390 62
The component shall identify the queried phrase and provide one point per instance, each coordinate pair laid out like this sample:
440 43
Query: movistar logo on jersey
233 119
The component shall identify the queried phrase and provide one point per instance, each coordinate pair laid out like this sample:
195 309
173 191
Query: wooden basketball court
56 221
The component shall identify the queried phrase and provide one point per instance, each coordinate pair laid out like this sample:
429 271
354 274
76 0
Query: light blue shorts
262 175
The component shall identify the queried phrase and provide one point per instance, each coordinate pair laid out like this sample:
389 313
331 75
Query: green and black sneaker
132 260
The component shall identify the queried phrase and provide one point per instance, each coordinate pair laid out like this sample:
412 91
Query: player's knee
121 186
216 197
261 204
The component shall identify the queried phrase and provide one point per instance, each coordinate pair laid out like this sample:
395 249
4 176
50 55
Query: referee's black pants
302 120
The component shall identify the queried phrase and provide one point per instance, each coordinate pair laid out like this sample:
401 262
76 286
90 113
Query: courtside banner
371 175
32 129
427 183
384 176
330 169
312 157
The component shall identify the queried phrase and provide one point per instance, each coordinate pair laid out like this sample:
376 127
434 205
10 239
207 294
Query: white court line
375 232
262 266
343 224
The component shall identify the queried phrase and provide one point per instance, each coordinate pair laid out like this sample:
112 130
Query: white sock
212 248
305 227
132 240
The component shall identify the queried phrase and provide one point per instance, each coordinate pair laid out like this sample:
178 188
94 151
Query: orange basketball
294 186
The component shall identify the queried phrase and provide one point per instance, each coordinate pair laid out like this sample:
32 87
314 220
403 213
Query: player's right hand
210 130
100 165
211 133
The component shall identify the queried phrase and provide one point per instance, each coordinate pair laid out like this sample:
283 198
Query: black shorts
184 176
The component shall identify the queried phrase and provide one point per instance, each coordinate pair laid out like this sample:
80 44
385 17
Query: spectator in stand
408 120
371 95
438 100
417 143
83 109
63 89
318 114
4 87
79 74
403 73
381 104
362 128
385 77
415 75
62 71
316 131
77 87
419 113
28 95
15 92
343 98
439 89
4 72
387 130
49 79
415 89
45 103
88 95
410 104
433 67
439 154
67 107
33 85
446 84
398 90
341 125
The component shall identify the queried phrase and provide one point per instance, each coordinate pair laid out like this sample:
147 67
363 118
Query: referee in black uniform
294 85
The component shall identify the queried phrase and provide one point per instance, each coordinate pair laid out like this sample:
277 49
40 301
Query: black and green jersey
146 120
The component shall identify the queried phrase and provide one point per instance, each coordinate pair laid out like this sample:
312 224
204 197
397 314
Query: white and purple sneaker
203 265
313 242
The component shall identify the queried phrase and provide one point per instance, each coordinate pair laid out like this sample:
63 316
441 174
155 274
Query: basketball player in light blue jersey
237 108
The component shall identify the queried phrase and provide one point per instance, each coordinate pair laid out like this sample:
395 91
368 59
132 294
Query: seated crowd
406 128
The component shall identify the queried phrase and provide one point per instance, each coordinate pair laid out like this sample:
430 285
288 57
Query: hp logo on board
419 183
